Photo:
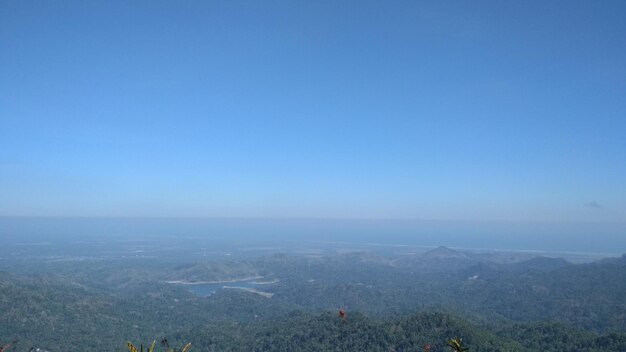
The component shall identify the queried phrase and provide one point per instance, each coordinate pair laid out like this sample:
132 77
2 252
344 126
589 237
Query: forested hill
301 332
541 304
306 332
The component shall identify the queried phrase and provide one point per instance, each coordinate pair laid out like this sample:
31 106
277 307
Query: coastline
252 290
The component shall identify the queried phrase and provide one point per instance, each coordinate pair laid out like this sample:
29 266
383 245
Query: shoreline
187 282
252 290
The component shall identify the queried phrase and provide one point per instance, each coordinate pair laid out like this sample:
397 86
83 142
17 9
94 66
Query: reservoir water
207 289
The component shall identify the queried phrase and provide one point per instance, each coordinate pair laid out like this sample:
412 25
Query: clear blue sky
472 110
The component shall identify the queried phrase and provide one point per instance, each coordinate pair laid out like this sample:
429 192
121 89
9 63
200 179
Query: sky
459 110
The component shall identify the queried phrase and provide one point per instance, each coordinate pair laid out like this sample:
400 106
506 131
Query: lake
207 289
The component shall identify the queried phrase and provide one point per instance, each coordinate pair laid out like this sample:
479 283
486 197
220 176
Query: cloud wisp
593 204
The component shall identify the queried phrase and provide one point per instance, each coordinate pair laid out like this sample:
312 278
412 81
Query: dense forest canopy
494 301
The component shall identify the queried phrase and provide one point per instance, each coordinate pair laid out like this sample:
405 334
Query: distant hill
620 261
444 253
213 271
589 296
540 263
439 259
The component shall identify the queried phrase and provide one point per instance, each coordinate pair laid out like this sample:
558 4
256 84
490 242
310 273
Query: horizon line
308 218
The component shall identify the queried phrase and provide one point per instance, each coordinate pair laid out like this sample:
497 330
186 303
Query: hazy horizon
555 237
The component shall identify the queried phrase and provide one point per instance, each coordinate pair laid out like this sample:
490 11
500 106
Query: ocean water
540 236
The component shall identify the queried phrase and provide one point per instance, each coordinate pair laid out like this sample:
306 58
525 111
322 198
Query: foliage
539 306
167 348
457 344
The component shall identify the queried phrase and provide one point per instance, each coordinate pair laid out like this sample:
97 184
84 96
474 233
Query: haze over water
579 237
